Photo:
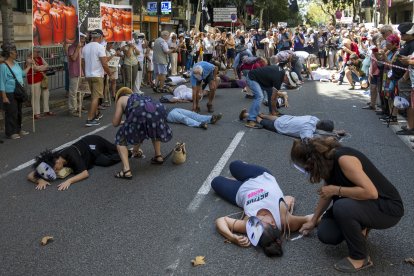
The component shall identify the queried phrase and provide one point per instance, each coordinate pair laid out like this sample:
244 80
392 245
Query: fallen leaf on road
46 240
410 261
199 260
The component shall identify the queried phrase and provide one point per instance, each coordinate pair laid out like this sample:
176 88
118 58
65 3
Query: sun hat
123 91
254 230
293 78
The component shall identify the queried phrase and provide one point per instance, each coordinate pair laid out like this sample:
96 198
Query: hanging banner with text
116 22
54 22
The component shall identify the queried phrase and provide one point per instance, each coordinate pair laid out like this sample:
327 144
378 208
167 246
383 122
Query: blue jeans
189 62
258 98
187 117
228 188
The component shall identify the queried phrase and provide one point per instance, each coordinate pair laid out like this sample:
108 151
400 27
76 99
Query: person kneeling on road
268 213
207 73
80 157
192 119
269 79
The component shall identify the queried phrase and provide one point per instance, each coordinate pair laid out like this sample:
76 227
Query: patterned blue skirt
144 119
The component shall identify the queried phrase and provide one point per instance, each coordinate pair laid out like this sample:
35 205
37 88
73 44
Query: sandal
156 161
123 174
346 266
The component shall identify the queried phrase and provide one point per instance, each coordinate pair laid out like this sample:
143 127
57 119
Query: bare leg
196 98
123 153
373 92
157 147
161 80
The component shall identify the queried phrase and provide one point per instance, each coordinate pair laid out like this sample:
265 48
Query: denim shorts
160 69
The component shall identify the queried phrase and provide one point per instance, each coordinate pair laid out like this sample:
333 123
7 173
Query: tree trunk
383 12
7 21
261 18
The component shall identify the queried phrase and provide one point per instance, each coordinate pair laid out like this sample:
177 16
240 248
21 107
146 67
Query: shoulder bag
20 93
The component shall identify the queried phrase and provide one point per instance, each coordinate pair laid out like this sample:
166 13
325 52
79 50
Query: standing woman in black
362 198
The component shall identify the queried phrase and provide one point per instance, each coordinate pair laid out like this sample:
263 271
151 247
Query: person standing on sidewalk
75 72
131 54
160 58
36 79
95 63
12 108
141 45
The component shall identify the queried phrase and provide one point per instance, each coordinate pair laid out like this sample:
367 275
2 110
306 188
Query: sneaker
23 133
389 119
215 118
253 124
339 82
14 136
203 125
98 116
92 122
368 107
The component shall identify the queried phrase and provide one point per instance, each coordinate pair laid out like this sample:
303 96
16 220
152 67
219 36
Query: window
22 5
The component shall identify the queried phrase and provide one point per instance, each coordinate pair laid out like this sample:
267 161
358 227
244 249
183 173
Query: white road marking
205 188
31 162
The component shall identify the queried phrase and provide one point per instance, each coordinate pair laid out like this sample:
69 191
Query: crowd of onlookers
377 58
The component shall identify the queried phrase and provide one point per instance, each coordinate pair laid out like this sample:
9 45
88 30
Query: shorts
160 69
114 73
96 85
322 54
207 80
406 91
231 53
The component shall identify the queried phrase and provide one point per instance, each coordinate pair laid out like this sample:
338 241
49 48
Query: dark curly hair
315 156
47 156
271 241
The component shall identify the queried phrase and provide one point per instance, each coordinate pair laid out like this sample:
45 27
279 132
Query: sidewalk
57 99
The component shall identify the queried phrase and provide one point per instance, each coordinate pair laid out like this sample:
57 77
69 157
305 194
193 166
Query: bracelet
339 191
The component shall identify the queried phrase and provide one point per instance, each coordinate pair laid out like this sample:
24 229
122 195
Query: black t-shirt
406 50
78 157
268 76
389 200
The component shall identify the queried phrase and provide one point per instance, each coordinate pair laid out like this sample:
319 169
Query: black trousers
347 218
268 124
12 116
105 152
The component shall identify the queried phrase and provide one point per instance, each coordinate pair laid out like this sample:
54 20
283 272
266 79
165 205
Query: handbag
179 154
45 82
20 93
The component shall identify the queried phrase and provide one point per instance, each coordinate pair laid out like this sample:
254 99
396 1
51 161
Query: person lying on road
268 213
80 157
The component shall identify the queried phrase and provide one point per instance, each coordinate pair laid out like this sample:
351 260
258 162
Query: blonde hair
123 91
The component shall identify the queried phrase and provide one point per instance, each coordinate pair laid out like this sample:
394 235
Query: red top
354 48
38 76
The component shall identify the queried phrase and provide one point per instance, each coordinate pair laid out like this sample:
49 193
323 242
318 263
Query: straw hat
123 91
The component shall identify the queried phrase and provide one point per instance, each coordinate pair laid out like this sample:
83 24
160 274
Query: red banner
54 22
116 22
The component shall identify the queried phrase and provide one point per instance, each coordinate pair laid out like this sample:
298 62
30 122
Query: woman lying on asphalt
80 157
362 198
268 212
144 119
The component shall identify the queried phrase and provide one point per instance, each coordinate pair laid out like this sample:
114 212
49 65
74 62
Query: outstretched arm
226 226
41 184
76 178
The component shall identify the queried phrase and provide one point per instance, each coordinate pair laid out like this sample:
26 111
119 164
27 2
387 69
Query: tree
7 21
315 15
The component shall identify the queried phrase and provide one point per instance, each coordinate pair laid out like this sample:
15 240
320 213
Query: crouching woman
362 198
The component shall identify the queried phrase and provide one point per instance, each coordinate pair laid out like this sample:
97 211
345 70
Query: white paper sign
94 23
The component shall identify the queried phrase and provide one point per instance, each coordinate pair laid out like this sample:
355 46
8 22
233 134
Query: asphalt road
158 222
